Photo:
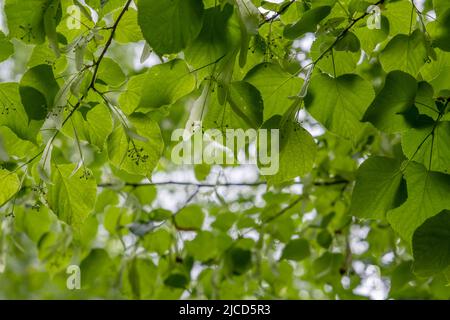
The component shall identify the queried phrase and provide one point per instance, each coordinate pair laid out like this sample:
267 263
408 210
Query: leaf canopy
225 149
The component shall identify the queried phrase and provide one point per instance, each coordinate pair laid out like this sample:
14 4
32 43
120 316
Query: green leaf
6 47
88 234
370 38
371 144
15 146
139 279
36 222
55 251
324 239
249 17
106 198
427 196
177 280
358 6
425 103
401 16
224 221
110 73
130 99
431 245
429 145
247 103
436 72
440 6
202 171
50 23
339 103
145 194
349 42
238 260
307 23
128 29
203 247
170 25
160 215
72 194
13 114
190 218
218 38
43 54
388 112
333 62
38 89
441 33
10 185
243 110
166 83
26 19
158 241
327 266
104 6
405 53
297 250
95 267
116 219
297 153
92 125
134 155
276 87
378 188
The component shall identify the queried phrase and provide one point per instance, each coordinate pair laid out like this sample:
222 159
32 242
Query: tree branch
108 43
96 66
344 32
284 210
278 14
213 185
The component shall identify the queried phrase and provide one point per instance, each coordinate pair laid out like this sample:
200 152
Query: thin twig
344 32
278 14
108 43
284 210
214 185
91 86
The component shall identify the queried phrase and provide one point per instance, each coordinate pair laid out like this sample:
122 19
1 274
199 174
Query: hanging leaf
389 111
10 185
169 26
429 145
26 19
276 87
38 89
431 245
72 196
308 22
297 153
405 53
164 84
339 104
378 188
6 47
426 198
134 155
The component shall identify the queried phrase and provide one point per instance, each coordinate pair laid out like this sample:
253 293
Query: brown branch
108 43
344 32
278 14
284 210
214 185
96 66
